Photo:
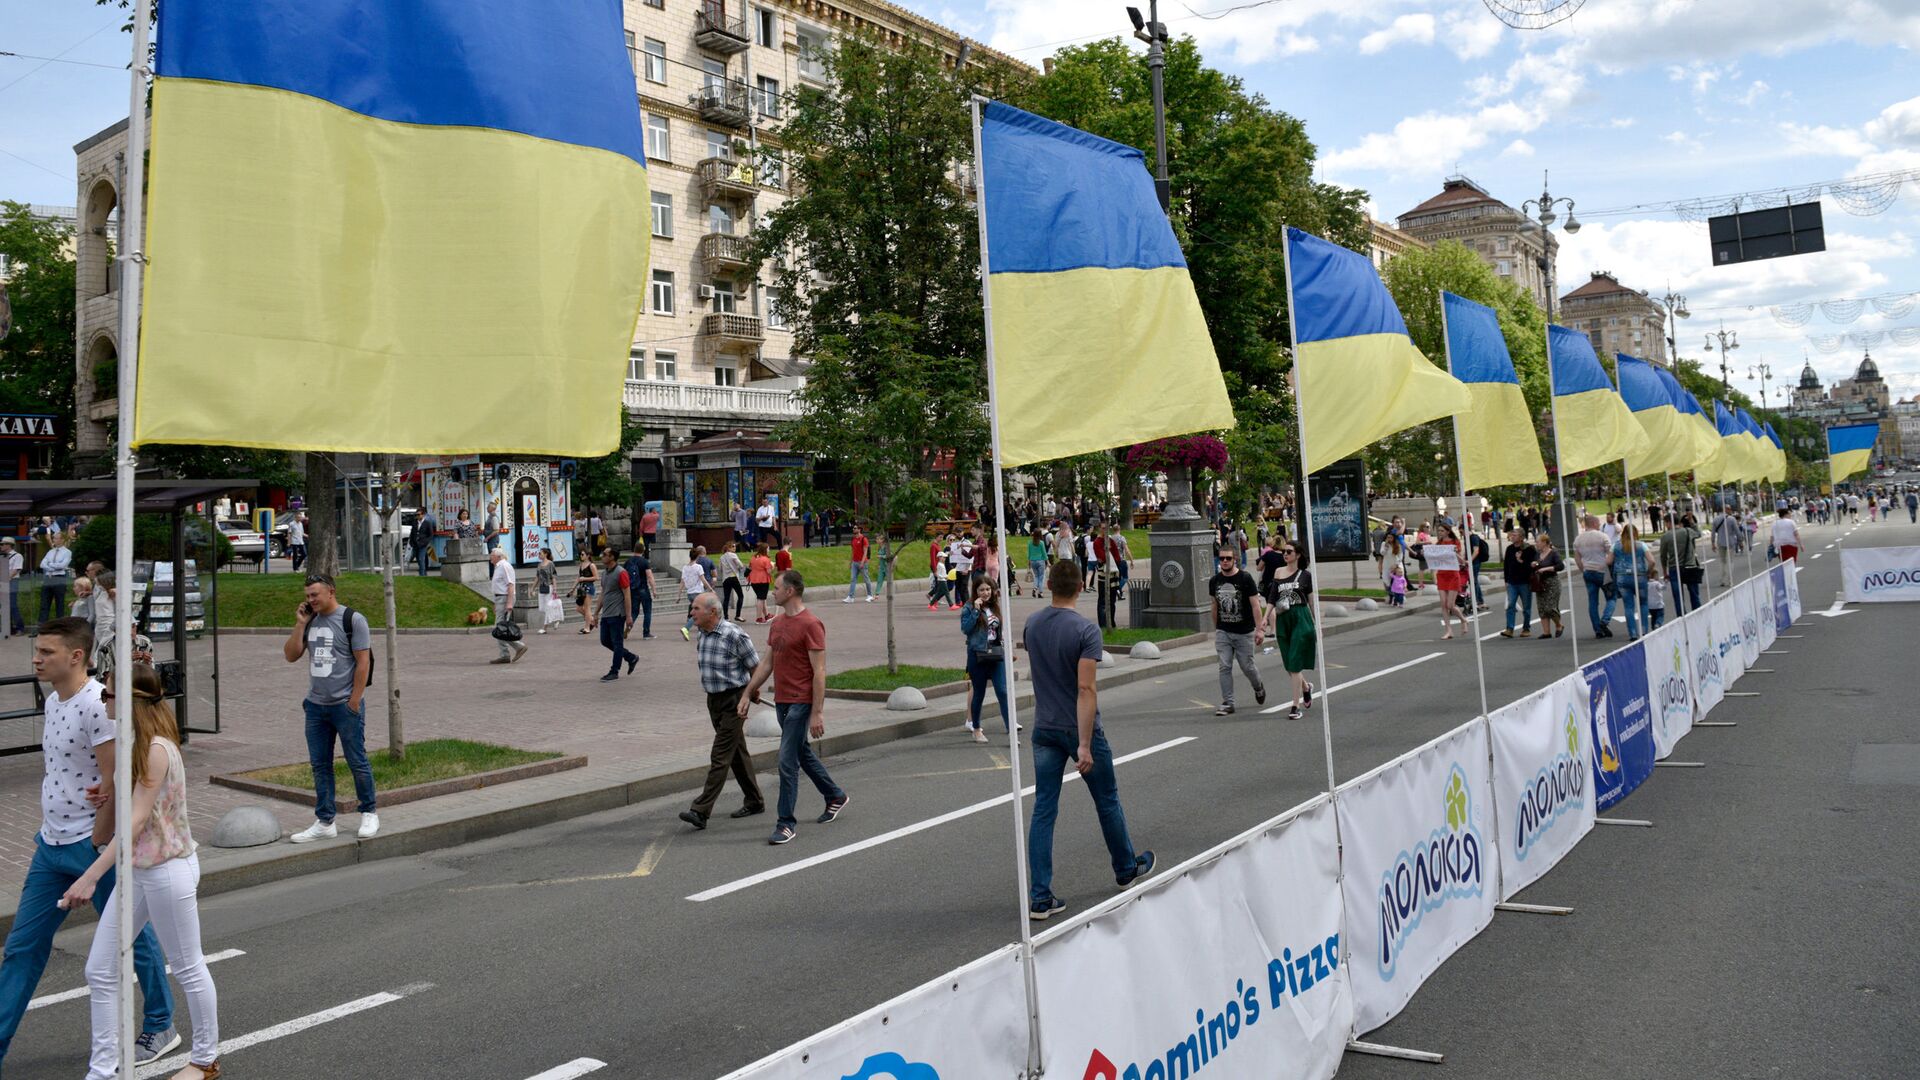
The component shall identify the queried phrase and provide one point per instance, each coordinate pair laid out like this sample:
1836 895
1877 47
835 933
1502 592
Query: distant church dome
1867 370
1809 379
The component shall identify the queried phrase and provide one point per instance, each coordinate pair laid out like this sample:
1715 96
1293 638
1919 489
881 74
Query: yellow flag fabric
1497 443
1592 425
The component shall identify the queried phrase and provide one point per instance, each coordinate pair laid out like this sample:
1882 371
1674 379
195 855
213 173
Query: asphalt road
1766 927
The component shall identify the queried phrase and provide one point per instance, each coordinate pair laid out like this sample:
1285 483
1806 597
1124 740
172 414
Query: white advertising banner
1726 639
969 1022
1879 575
1232 968
1422 868
1764 620
1793 587
1745 604
1703 653
1670 689
1542 780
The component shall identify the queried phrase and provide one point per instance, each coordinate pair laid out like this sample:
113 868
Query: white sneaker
869 599
319 830
369 825
846 599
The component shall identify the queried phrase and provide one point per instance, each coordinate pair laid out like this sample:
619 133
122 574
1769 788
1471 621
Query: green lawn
1127 636
270 599
828 565
878 678
434 759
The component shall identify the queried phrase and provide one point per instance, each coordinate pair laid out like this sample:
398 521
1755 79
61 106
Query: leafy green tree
36 357
608 480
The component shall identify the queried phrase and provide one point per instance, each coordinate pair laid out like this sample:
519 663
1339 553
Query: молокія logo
1559 786
1446 866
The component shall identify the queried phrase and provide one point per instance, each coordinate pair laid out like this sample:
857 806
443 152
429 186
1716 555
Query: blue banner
1782 612
1617 703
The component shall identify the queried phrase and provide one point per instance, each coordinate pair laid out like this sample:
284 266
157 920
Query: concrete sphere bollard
246 826
906 699
1368 603
762 722
1336 611
1106 659
1144 650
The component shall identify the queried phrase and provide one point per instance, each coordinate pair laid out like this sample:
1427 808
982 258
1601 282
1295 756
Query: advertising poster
1542 780
1880 575
1339 495
1782 612
1618 708
1670 685
1703 651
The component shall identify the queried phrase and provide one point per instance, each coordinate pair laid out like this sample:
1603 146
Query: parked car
247 542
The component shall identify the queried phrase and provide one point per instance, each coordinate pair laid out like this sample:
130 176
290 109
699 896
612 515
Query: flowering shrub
1189 451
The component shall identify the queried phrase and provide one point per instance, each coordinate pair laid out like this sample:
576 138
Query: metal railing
722 101
724 324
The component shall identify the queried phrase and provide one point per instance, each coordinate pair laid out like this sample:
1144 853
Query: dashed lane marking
229 1047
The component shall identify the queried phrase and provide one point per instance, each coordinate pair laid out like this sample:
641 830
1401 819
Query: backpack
346 621
636 577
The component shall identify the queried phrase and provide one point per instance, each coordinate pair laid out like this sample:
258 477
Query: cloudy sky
1628 103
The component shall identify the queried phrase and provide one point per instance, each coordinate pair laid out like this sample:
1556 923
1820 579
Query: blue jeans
982 672
856 573
1052 749
420 557
796 756
324 722
645 599
1597 585
1523 596
53 597
613 635
1629 590
1479 598
53 871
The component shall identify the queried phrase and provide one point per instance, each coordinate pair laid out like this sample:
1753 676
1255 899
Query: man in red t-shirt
796 658
857 568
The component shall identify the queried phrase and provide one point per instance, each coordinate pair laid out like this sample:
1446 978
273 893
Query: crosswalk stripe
575 1068
80 992
291 1027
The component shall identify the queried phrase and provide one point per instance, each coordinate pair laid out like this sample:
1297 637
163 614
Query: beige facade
100 171
1616 318
1388 243
1502 236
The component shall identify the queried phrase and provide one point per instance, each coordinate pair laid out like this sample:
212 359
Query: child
1656 597
1397 587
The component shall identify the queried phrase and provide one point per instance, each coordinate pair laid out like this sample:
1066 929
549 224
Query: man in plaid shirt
726 657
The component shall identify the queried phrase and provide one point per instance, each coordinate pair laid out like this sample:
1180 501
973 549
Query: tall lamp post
1676 306
1544 216
1154 32
1728 343
1763 373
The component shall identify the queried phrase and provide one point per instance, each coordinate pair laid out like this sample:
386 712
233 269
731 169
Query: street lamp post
1544 217
1728 343
1763 373
1154 32
1676 306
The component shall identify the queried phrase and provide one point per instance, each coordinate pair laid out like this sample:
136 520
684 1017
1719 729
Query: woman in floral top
166 878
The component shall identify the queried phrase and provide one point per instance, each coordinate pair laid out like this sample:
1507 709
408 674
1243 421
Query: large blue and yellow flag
1358 376
1592 426
1497 443
1736 464
413 227
1694 423
1089 291
1778 470
1669 434
1757 445
1850 449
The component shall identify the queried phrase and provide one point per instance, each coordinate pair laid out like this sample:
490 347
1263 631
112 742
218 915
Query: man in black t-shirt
1516 567
1237 621
1271 563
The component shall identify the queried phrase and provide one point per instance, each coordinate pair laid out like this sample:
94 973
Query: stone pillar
466 562
1183 545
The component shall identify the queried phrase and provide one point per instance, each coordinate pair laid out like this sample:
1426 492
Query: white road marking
764 876
1364 678
575 1068
70 995
291 1027
1817 554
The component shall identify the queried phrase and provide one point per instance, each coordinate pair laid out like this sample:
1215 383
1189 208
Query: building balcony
723 253
691 399
715 32
723 102
727 179
723 331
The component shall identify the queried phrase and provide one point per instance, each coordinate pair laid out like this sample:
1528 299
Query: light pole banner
969 1022
1542 780
1619 708
1421 867
1880 574
1703 651
1669 685
1234 967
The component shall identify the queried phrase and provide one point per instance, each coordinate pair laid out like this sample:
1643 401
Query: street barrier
1542 780
1880 575
1262 956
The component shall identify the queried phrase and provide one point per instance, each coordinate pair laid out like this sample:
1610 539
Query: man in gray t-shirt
1064 648
338 646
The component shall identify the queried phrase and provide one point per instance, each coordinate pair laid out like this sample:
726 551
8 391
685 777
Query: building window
636 365
664 364
767 91
661 4
719 220
776 319
662 292
726 374
773 171
1505 267
631 55
766 28
663 214
811 44
659 138
719 144
724 299
655 56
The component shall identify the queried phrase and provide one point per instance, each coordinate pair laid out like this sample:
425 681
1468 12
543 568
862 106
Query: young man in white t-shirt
77 745
694 580
1786 536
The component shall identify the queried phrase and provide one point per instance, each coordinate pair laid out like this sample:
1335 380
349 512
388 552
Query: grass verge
254 600
878 677
433 759
828 565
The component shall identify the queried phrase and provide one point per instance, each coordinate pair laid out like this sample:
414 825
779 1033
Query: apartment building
1616 318
1503 237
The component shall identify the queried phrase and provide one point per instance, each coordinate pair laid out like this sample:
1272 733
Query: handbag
995 651
506 630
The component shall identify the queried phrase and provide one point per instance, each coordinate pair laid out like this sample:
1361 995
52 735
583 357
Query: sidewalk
645 736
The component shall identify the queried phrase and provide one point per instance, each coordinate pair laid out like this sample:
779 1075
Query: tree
323 530
869 404
36 356
608 480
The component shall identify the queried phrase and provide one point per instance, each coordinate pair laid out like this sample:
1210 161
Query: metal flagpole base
1716 723
1773 652
1381 1050
1534 909
1788 637
1679 764
1635 822
1759 671
1741 693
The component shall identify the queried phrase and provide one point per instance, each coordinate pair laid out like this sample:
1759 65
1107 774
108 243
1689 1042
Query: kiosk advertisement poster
1703 650
1235 967
968 1022
1339 494
1618 707
1422 870
1880 574
1670 684
1542 780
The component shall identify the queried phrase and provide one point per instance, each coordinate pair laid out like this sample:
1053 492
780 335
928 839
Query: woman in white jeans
166 877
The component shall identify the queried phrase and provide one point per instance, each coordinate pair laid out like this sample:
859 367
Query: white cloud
1701 75
1636 32
1682 140
1031 31
1822 141
1622 122
1470 34
1518 148
1416 29
1754 93
1898 124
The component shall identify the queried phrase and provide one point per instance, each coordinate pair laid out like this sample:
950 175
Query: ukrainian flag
1592 426
416 226
1850 449
1705 442
1761 454
1088 289
1353 360
1736 456
1668 433
1497 444
1777 471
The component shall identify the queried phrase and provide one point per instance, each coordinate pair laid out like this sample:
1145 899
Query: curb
412 792
279 861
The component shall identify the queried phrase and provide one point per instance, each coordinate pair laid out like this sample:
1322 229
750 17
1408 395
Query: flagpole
1560 479
1013 696
132 260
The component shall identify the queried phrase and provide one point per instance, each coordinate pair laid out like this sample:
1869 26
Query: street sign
1794 229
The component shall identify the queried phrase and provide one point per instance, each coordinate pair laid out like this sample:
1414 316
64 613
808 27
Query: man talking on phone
339 648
